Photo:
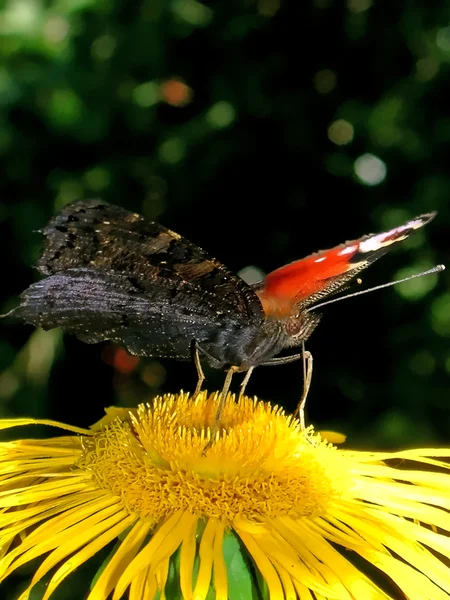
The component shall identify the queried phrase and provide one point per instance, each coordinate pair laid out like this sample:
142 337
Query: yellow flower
268 511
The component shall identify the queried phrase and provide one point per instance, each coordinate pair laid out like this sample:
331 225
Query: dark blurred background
262 131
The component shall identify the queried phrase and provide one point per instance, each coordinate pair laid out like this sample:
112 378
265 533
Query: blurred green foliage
262 131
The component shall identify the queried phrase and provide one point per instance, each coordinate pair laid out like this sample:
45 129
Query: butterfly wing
96 306
112 275
305 281
103 236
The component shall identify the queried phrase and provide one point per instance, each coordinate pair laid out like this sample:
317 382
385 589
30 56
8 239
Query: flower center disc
260 464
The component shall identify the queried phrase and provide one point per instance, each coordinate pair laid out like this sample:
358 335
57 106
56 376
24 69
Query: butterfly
110 274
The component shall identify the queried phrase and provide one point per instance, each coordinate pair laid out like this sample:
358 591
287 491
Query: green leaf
242 583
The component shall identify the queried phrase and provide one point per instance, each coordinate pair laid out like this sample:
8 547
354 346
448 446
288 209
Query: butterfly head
298 327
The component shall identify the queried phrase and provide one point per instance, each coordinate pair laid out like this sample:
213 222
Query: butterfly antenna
436 269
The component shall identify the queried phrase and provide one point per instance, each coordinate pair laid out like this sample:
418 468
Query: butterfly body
111 275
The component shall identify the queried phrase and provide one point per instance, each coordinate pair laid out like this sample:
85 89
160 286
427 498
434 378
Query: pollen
260 462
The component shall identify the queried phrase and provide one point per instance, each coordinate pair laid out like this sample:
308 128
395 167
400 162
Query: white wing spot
380 241
348 250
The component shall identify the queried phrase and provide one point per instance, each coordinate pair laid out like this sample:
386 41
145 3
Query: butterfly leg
307 377
198 366
282 360
222 398
223 395
245 381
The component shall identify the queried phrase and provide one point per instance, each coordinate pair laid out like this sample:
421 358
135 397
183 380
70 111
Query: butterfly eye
298 328
293 326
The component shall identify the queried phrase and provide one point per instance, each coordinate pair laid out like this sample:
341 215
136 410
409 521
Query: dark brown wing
111 275
96 305
107 237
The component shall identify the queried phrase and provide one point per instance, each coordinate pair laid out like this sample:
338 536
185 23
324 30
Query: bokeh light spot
358 6
172 150
440 315
68 189
426 69
146 94
221 115
119 358
423 363
153 374
192 12
20 17
341 132
65 107
103 47
443 39
175 92
370 169
97 179
268 8
9 384
417 288
325 81
56 29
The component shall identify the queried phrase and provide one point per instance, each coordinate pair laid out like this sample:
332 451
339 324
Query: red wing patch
314 277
